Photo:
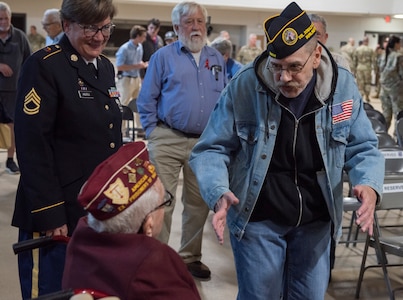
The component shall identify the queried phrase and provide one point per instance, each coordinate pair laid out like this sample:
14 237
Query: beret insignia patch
290 36
118 192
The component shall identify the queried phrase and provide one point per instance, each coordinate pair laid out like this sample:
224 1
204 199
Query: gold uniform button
107 107
112 145
110 125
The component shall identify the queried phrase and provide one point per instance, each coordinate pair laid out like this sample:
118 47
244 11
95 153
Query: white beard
195 44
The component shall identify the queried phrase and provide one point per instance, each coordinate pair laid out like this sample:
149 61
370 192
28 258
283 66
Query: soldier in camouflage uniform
248 52
347 51
364 61
391 80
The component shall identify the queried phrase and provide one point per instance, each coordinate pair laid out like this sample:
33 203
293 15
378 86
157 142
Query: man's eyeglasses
44 25
292 69
91 30
168 198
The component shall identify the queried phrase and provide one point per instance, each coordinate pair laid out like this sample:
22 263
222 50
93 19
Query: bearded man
180 89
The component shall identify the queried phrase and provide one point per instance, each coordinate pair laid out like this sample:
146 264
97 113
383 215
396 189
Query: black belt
186 134
120 76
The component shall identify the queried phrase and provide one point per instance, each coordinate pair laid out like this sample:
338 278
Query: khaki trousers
169 151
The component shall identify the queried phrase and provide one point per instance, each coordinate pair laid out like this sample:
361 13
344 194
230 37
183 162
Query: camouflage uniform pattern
377 69
364 62
391 80
247 54
347 51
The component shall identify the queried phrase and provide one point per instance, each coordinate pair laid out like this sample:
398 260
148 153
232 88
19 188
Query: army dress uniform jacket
67 122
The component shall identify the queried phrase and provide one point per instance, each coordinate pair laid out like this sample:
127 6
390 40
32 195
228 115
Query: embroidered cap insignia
118 192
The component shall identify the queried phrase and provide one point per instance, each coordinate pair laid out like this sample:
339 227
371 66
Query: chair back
399 131
127 124
392 196
376 114
399 115
385 140
368 106
377 125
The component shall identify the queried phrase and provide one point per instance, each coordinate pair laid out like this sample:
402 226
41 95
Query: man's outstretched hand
220 216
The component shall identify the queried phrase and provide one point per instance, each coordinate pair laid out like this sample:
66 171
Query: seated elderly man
113 249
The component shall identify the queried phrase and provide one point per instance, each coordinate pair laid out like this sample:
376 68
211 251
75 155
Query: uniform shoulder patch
50 50
32 102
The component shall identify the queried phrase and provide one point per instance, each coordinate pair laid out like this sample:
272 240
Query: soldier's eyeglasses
91 30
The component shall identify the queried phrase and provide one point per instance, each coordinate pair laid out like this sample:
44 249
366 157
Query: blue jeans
281 262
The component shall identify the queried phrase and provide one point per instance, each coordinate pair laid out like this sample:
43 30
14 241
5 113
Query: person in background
181 88
14 50
36 40
124 230
378 56
225 48
152 43
249 52
52 24
271 158
347 51
364 62
67 121
129 63
322 36
391 68
225 35
170 37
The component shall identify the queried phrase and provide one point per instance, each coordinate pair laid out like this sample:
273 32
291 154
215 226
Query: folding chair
376 114
377 125
351 204
127 125
399 115
368 106
399 131
385 140
137 127
392 199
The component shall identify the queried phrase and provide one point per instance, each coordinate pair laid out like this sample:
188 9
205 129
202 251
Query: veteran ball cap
118 181
288 31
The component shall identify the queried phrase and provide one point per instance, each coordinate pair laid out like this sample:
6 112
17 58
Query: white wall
243 22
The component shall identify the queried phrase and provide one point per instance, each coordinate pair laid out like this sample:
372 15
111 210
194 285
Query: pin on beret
288 31
118 181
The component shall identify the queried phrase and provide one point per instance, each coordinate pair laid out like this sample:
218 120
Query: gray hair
311 44
87 12
185 8
131 219
222 45
52 15
5 7
318 19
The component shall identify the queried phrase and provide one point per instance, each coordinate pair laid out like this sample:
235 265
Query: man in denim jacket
271 159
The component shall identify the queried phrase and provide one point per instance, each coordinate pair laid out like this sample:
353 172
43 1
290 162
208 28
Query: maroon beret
118 181
288 31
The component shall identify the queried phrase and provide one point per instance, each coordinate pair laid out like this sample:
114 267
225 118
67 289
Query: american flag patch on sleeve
342 112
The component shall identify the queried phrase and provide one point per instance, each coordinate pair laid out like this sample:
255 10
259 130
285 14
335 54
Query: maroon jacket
129 266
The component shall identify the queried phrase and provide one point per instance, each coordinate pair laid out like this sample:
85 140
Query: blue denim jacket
235 149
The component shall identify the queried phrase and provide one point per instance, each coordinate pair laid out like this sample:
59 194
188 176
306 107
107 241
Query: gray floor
223 284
